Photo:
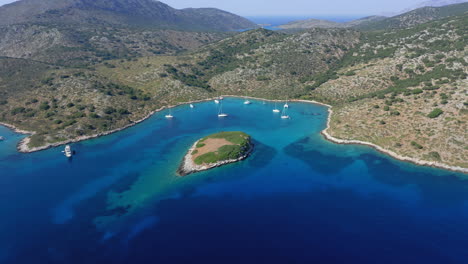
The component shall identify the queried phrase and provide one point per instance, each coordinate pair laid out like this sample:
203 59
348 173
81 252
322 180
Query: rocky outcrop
188 166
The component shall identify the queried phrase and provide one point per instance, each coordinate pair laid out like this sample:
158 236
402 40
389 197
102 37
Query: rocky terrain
403 89
424 13
415 17
406 91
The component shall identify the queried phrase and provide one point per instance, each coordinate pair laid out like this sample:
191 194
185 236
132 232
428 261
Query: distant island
216 150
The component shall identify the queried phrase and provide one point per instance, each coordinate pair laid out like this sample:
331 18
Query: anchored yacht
220 112
67 151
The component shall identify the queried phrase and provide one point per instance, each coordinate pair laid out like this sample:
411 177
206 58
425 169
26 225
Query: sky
294 7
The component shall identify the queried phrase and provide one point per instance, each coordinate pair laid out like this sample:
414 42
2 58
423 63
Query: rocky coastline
23 145
24 148
187 165
386 151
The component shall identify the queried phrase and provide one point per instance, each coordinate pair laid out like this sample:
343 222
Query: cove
298 198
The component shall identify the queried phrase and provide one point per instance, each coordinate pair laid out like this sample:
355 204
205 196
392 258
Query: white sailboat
276 110
192 106
247 102
169 116
286 104
67 151
284 114
220 111
216 101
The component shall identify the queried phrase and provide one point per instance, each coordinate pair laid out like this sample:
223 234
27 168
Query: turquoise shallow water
298 198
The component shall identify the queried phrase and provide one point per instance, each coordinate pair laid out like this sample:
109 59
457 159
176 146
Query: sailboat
192 106
169 116
67 151
218 98
220 112
276 110
247 102
284 114
286 104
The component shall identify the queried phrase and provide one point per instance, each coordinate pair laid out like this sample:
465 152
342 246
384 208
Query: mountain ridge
141 13
408 19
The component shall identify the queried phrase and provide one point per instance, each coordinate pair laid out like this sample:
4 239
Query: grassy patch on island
222 146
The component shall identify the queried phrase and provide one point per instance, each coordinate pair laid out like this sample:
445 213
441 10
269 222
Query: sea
297 199
272 22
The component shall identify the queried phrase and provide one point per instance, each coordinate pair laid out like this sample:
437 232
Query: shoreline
23 148
390 153
187 166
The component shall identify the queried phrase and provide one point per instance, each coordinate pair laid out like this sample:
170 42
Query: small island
216 150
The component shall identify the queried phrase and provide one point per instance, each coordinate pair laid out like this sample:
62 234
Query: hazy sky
294 7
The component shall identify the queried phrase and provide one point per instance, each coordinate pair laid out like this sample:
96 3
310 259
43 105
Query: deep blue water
297 199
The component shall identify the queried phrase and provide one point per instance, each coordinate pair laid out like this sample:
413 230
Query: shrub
416 145
44 106
434 155
417 91
109 110
18 110
435 113
263 78
123 111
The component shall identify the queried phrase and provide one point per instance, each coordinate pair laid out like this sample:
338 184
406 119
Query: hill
433 3
402 89
405 20
416 17
135 13
319 23
405 90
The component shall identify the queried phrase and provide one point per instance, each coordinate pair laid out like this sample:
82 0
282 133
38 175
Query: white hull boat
276 110
220 112
68 152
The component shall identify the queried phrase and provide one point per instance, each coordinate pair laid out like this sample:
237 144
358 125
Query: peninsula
216 150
